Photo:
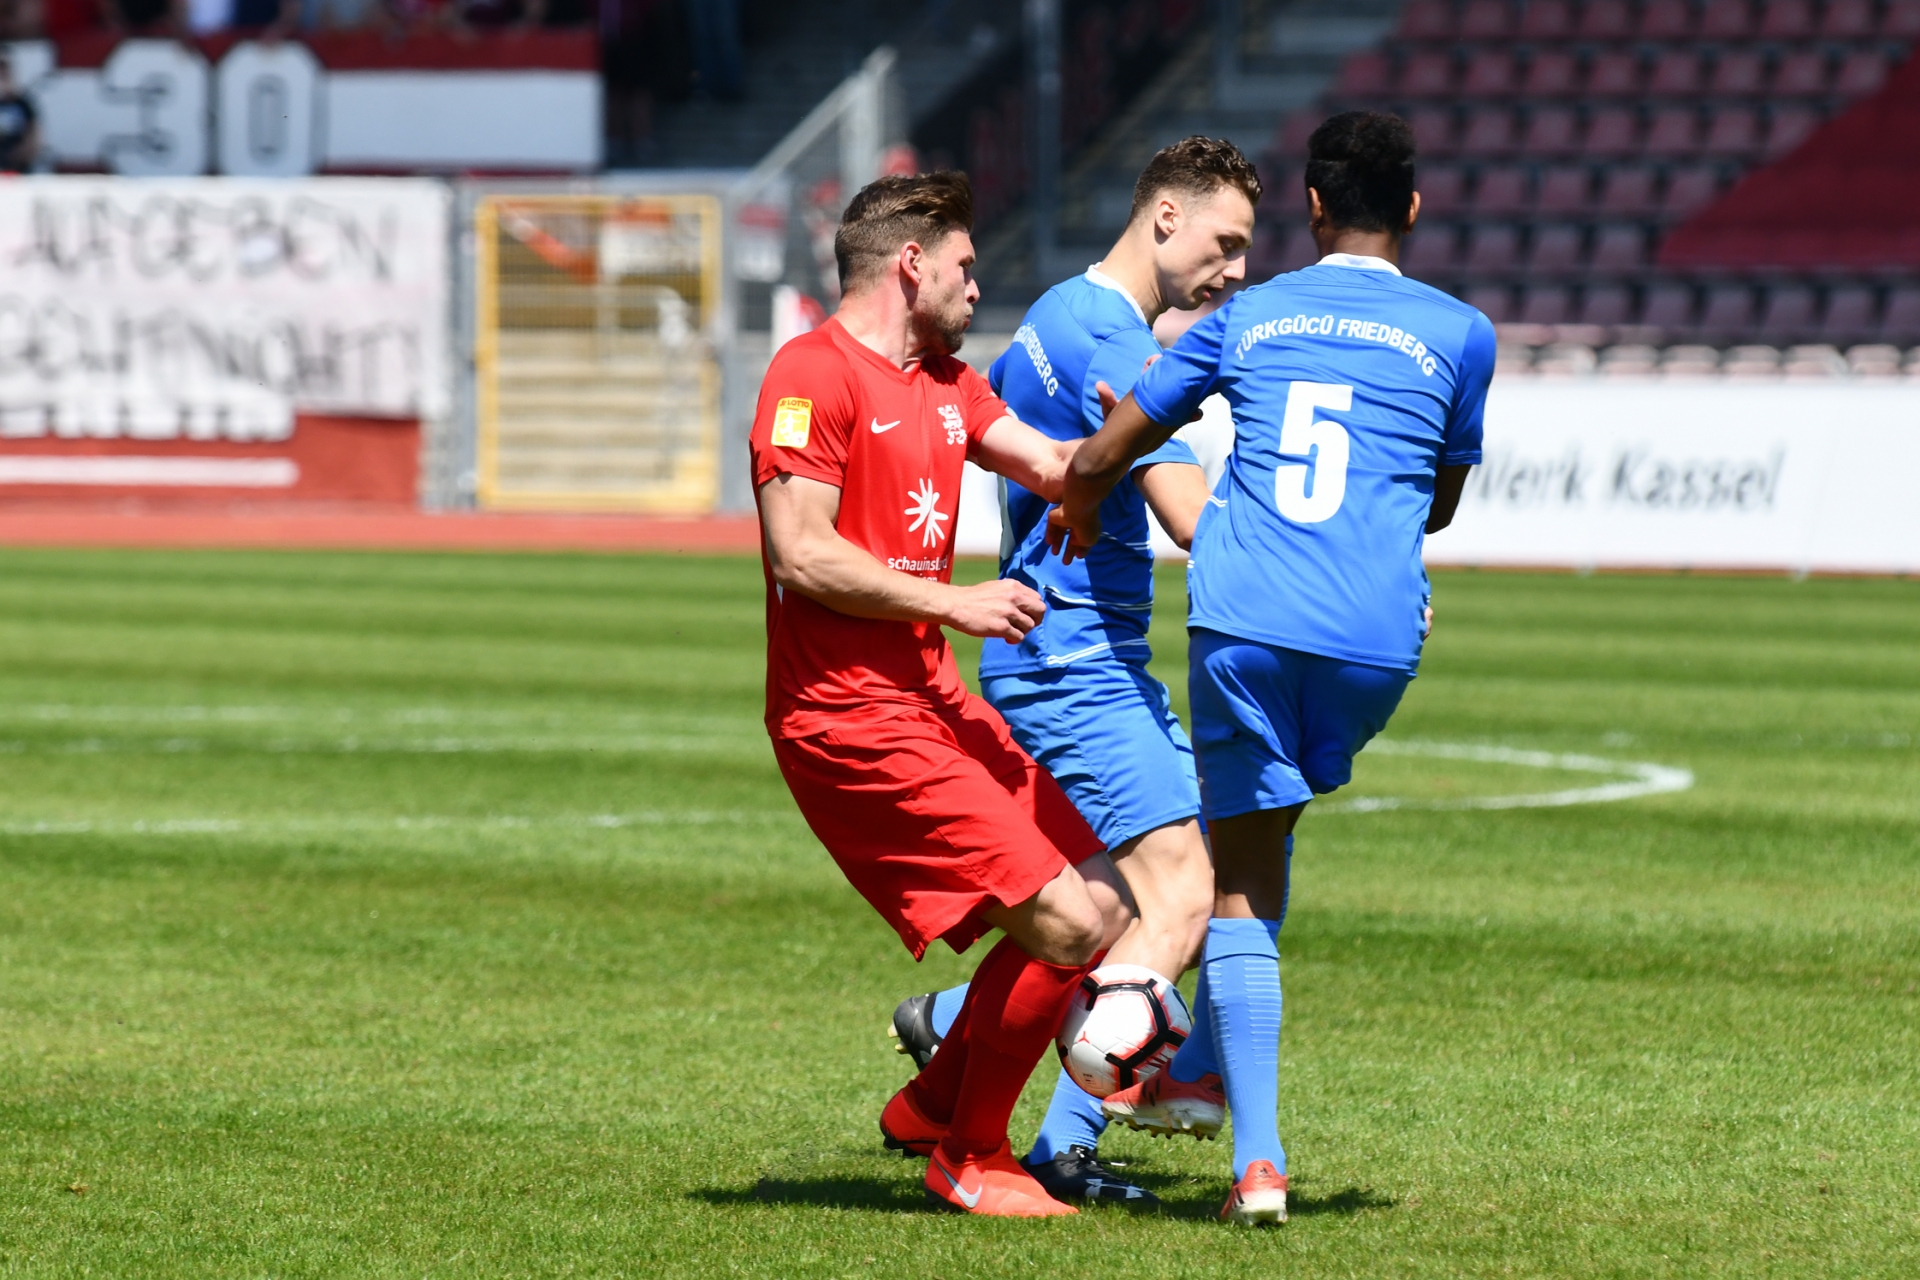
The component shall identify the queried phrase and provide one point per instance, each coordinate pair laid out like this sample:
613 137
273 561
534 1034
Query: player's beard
942 324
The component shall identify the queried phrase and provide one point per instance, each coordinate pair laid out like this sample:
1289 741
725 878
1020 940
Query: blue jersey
1350 387
1083 331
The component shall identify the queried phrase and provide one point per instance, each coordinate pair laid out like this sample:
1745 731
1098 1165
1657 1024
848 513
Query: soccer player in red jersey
913 784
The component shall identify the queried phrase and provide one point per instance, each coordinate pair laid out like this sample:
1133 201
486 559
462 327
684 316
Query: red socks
1011 1013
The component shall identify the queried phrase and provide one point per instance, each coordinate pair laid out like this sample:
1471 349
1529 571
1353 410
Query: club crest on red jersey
955 424
926 514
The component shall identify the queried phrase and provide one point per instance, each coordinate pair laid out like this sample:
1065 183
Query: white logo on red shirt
925 514
956 426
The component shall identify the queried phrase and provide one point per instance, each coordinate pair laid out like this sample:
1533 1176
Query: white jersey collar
1105 281
1364 262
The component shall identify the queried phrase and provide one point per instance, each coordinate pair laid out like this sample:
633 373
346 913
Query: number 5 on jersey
1311 491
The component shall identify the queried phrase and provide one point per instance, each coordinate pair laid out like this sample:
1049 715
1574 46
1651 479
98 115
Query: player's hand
1429 630
1067 542
999 610
1108 400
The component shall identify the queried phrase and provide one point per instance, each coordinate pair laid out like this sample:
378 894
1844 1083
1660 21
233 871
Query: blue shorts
1107 733
1276 727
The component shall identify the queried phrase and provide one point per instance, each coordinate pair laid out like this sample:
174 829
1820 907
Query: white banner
212 308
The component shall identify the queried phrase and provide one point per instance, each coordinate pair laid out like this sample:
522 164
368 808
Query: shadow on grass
880 1194
1300 1204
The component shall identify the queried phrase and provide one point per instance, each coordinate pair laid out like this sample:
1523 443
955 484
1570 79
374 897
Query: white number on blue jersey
1309 492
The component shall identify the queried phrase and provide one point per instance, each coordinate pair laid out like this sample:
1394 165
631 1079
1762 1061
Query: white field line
1638 778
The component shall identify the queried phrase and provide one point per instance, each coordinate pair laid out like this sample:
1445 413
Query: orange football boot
993 1186
1259 1199
906 1128
1164 1106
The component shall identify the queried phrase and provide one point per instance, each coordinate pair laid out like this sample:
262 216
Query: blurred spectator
143 17
19 124
340 15
22 19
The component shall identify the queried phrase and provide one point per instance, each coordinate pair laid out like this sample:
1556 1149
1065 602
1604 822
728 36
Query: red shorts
934 816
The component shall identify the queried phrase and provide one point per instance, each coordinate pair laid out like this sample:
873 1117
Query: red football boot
992 1186
1164 1106
1259 1199
905 1128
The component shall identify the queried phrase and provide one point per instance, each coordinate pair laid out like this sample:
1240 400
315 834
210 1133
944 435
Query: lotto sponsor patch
792 422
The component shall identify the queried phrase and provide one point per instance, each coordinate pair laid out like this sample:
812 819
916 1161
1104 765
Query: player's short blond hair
890 213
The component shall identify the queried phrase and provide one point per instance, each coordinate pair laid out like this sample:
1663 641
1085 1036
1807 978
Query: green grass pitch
444 916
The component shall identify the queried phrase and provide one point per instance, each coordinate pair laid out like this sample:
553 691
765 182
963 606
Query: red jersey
893 441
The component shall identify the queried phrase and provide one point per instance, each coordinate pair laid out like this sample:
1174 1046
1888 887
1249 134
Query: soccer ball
1122 1026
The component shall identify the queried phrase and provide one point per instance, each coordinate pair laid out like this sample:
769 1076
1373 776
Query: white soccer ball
1122 1025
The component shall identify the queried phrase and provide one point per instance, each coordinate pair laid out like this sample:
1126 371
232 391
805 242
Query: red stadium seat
1443 190
1615 74
1501 192
1628 190
1427 20
1606 304
1673 132
1789 128
1849 316
1553 73
1547 20
1551 131
1902 20
1668 306
1486 20
1786 20
1901 321
1431 251
1728 312
1789 314
1735 131
1564 189
1689 191
1847 20
1496 300
1666 20
1619 250
1606 20
1726 20
1433 131
1862 72
1677 73
1489 132
1739 71
1491 73
1613 131
1801 74
1557 250
1428 74
1547 304
1365 75
1494 250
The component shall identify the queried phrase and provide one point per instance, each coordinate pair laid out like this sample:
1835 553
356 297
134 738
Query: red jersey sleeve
982 407
805 416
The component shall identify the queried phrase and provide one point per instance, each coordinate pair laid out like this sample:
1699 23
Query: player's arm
1448 485
1105 457
1031 459
798 516
1177 492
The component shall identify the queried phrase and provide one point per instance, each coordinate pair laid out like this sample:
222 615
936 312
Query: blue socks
1073 1117
946 1007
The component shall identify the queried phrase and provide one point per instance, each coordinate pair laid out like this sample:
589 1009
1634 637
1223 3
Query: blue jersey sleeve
1173 388
997 372
1119 362
1461 446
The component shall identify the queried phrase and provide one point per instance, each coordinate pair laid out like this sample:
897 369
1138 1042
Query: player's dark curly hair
1361 163
890 212
1195 167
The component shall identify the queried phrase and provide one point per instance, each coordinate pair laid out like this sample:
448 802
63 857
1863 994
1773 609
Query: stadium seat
1619 250
1614 74
1501 192
1735 131
1427 74
1496 300
1728 312
1726 20
1669 306
1486 20
1564 189
1491 73
1689 191
1789 127
1553 73
1299 250
1547 20
1900 322
1431 20
1627 190
1443 190
1801 74
1608 304
1901 20
1673 132
1298 128
1489 132
1849 316
1606 20
1367 74
1547 304
1677 73
1861 72
1551 132
1557 250
1847 20
1495 250
1740 72
1788 315
1613 131
1786 20
1666 20
1431 250
1433 131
